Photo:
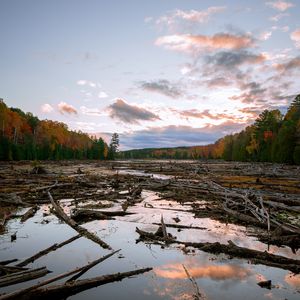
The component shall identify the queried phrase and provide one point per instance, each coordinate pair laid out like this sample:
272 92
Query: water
218 277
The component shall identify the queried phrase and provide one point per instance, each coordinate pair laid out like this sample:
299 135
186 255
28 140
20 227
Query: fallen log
61 214
197 295
84 215
22 276
19 293
29 214
11 199
46 251
9 261
255 256
4 270
61 291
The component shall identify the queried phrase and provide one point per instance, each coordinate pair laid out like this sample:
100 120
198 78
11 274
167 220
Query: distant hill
272 138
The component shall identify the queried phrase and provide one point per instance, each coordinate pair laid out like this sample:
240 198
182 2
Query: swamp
149 230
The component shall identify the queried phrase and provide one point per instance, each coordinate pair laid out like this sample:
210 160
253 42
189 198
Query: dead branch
61 291
46 251
22 276
61 214
83 269
29 214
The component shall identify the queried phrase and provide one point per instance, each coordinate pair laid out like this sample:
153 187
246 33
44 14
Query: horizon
161 74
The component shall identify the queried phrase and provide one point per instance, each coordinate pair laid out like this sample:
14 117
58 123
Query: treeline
24 137
273 137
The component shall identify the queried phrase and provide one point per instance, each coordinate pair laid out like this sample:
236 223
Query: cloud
197 16
280 5
265 35
204 114
231 59
295 36
130 113
63 107
163 87
276 18
47 108
174 136
289 66
92 111
188 43
214 272
83 82
102 95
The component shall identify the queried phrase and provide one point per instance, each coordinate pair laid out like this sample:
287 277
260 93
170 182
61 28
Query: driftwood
84 215
46 251
61 214
9 261
61 291
29 214
255 256
92 264
197 295
11 199
22 276
4 270
80 271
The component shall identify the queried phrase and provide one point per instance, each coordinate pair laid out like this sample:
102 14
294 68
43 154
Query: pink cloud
280 5
47 108
192 43
295 36
63 107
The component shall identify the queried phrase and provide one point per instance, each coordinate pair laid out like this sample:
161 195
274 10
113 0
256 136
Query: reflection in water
214 272
293 280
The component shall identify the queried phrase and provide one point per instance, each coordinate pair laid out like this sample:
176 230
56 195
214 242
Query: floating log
82 270
61 291
61 214
46 251
4 270
29 214
9 261
255 256
85 215
22 276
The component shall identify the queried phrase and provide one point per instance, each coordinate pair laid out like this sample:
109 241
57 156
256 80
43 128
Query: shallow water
218 277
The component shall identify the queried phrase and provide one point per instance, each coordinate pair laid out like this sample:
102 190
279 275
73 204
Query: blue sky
161 73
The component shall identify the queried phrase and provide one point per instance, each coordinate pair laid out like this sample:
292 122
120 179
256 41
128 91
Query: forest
24 137
273 137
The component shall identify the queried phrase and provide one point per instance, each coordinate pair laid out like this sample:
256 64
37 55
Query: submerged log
80 271
84 215
61 214
255 256
29 214
22 276
46 251
61 291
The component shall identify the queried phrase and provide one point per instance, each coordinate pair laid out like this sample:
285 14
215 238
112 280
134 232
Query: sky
161 73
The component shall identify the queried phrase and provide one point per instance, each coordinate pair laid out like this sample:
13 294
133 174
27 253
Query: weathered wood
4 270
19 293
61 214
92 264
61 291
9 261
255 256
197 295
46 251
88 214
22 276
29 214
